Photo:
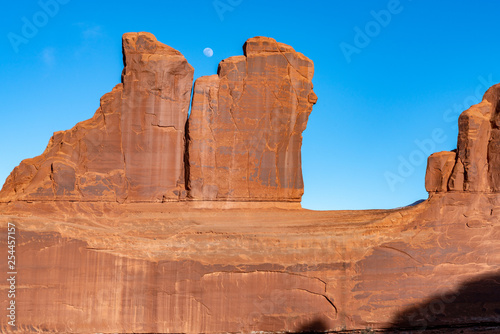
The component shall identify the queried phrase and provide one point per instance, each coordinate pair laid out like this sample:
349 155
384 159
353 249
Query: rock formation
87 264
245 132
132 149
246 124
439 168
476 163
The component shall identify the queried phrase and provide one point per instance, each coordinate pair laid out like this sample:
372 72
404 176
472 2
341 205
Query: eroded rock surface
132 149
171 268
246 124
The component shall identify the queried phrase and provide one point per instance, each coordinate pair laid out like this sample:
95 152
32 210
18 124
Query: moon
208 52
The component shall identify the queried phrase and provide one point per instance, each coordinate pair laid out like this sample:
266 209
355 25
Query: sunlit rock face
246 124
243 139
132 149
476 163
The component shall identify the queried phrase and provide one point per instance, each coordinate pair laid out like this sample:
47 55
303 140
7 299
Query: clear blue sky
402 79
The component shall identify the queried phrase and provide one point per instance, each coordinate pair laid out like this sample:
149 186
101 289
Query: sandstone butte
143 220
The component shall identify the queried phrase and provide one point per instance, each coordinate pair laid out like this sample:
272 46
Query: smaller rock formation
439 168
476 163
246 124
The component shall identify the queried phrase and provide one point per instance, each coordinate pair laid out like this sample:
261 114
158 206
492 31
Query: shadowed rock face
133 147
475 167
246 124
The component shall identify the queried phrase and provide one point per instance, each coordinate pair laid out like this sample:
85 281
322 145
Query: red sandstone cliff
132 149
246 124
244 133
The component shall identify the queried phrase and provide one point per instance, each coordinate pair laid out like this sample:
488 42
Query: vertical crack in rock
187 178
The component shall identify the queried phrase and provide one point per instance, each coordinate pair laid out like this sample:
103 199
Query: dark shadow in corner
315 326
187 139
473 304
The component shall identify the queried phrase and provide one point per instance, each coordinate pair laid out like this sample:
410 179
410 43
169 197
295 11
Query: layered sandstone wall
170 268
